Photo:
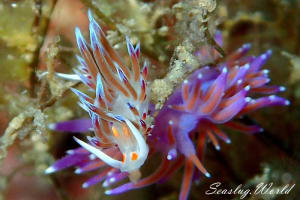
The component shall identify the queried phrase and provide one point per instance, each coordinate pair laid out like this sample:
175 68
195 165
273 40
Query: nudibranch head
119 108
130 142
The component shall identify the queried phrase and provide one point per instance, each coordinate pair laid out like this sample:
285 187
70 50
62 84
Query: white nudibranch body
134 149
119 110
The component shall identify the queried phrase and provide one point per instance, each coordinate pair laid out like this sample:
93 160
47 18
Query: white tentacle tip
207 175
70 152
92 157
52 126
287 102
266 71
228 141
248 87
263 56
105 184
78 171
247 66
169 157
112 179
85 185
282 88
108 192
50 170
248 99
261 130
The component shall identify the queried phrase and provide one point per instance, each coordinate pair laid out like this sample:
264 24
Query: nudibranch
119 109
212 97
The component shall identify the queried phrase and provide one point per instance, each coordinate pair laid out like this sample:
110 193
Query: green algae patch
16 24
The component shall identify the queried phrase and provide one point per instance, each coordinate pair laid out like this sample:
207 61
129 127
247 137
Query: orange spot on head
134 156
115 132
123 158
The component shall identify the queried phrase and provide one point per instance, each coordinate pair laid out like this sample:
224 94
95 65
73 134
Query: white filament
105 158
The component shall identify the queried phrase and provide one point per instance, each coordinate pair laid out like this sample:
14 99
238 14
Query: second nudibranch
119 108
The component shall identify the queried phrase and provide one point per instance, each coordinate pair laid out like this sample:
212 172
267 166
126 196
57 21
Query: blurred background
38 35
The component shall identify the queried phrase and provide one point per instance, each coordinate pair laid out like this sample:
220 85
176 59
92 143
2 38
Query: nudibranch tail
210 97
